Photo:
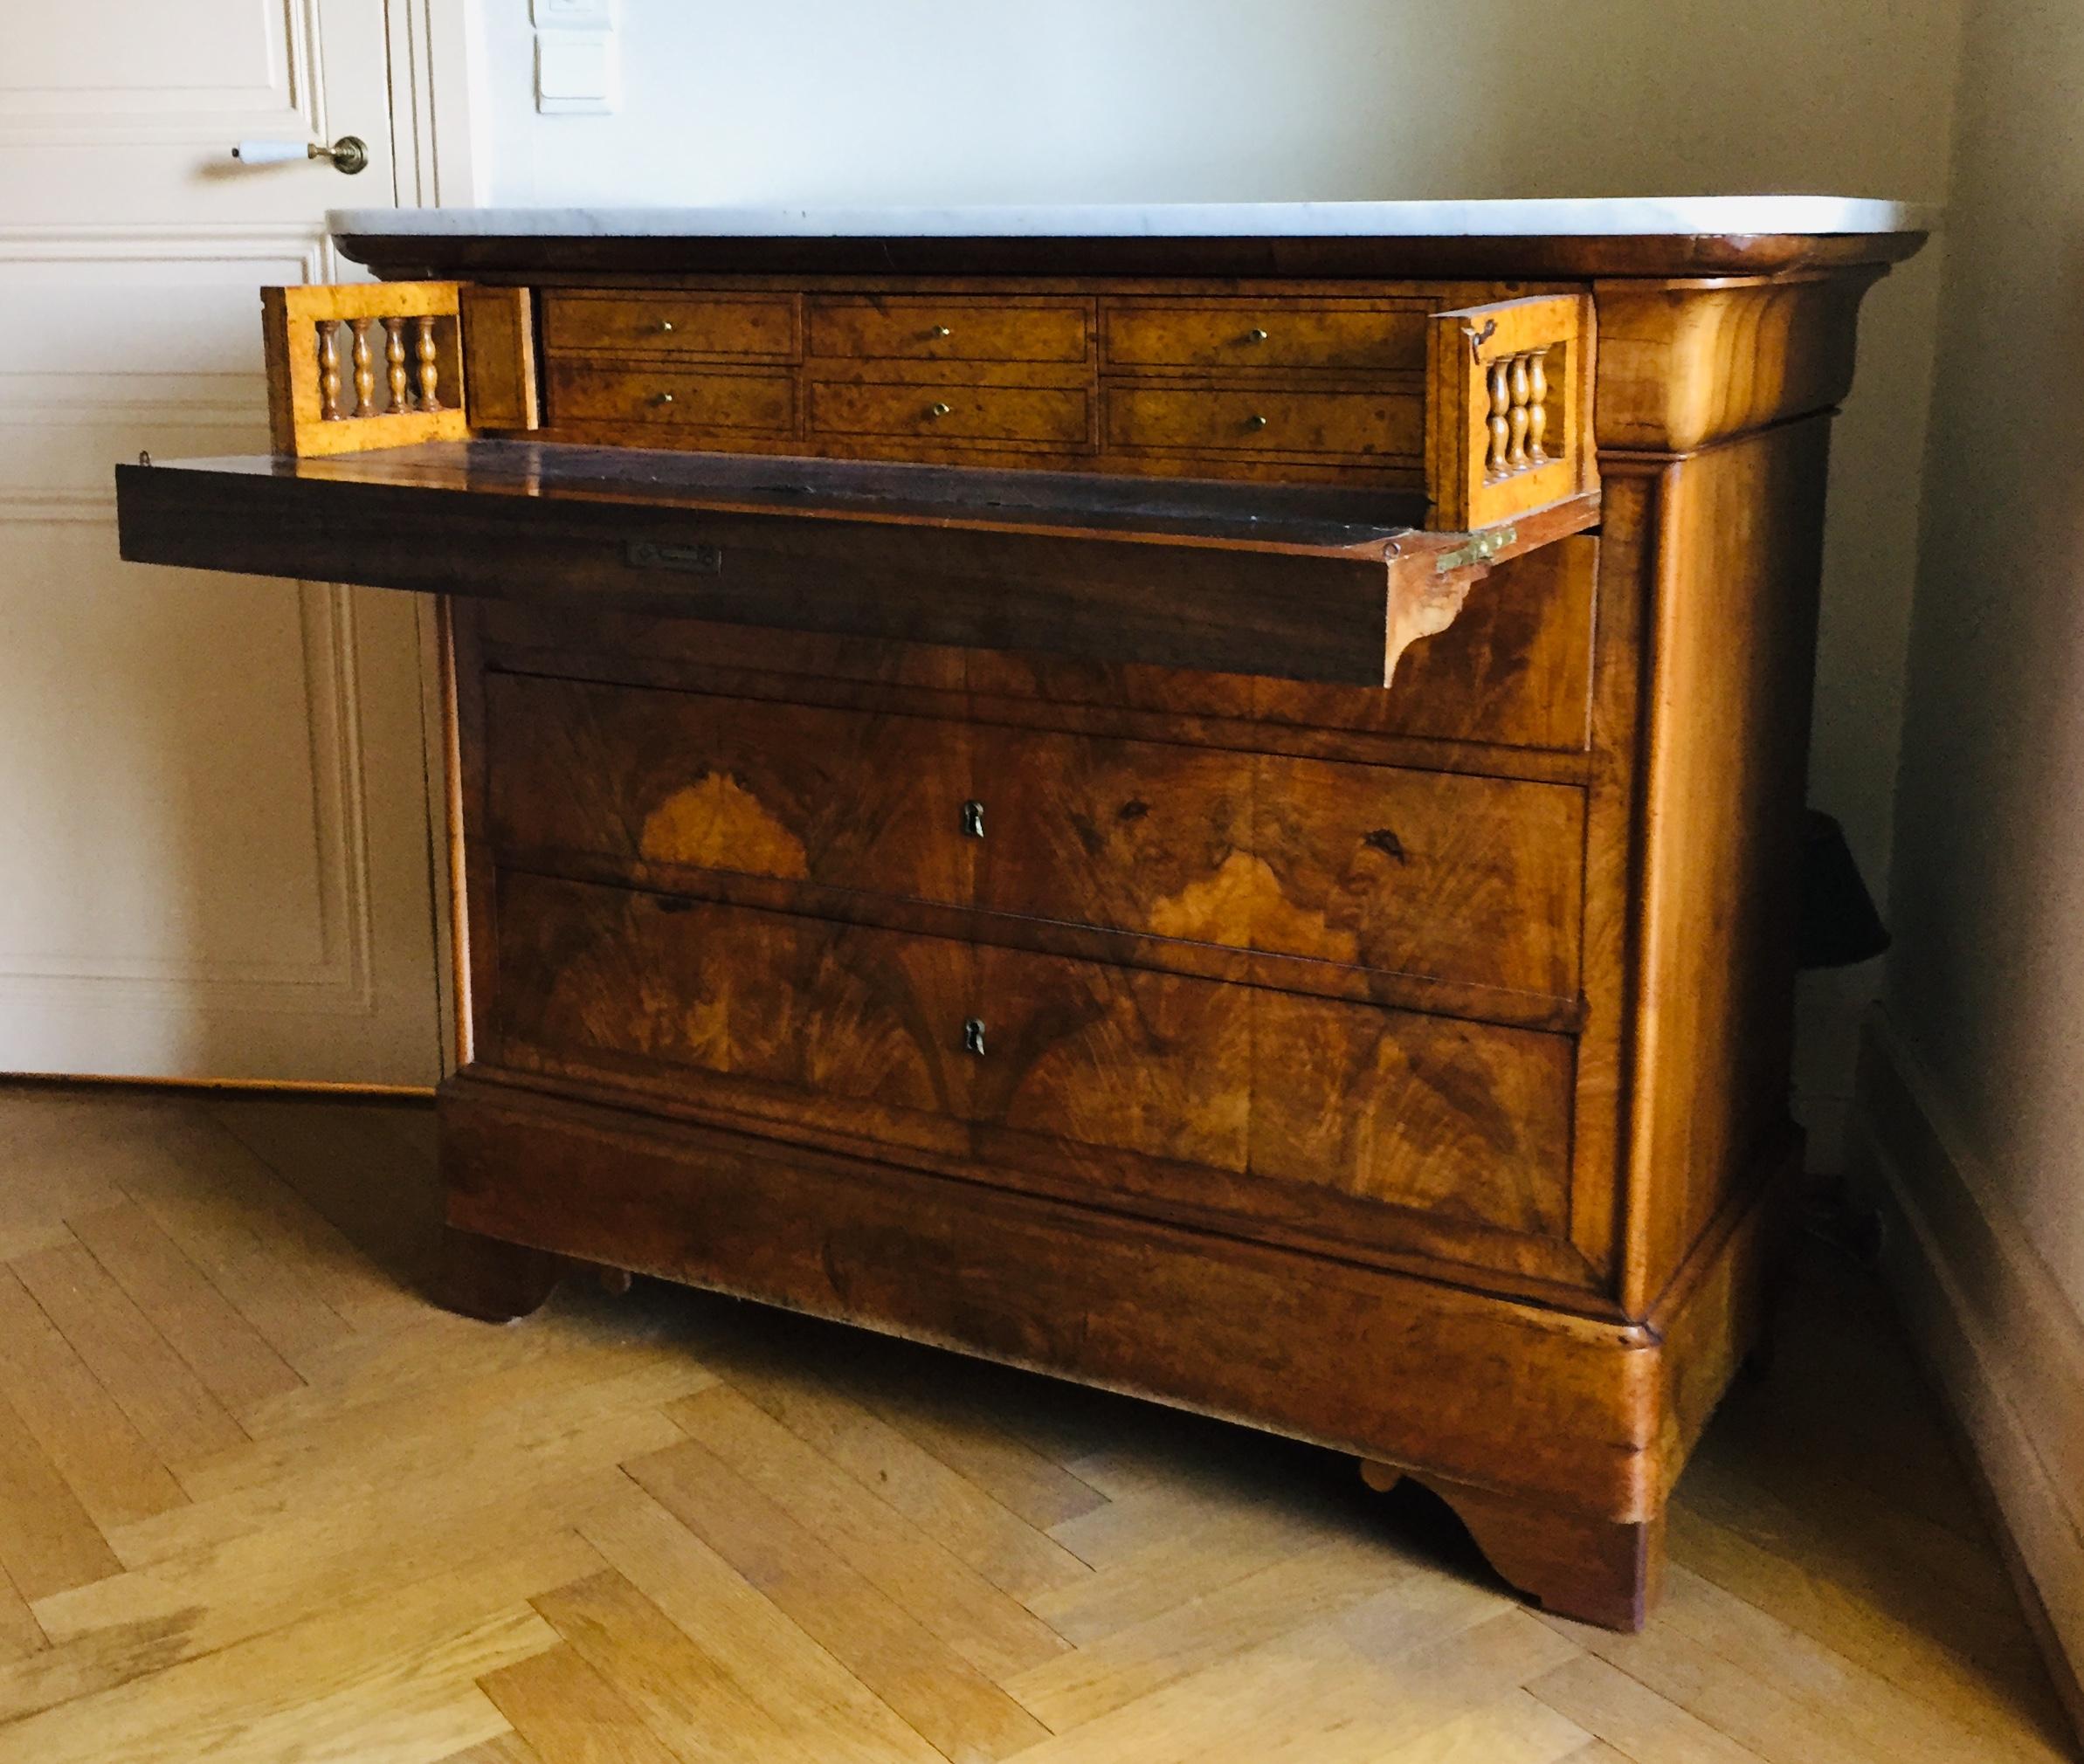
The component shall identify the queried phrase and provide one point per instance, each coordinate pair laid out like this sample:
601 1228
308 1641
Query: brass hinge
1478 548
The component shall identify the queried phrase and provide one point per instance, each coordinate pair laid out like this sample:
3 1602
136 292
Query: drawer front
843 798
1349 335
1115 1084
950 413
1470 881
1265 420
1475 881
673 398
749 326
931 330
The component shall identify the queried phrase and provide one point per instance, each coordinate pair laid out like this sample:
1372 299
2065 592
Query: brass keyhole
973 820
973 1036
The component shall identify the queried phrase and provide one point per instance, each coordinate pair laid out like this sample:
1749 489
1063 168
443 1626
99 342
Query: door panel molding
286 718
286 95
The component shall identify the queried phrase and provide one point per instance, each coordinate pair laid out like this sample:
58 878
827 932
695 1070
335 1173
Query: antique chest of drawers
1212 814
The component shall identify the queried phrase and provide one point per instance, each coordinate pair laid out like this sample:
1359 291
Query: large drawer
1464 879
1119 1084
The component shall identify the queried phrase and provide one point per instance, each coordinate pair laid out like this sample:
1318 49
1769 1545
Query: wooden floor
259 1501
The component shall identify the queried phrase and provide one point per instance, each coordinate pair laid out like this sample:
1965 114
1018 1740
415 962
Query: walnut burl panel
1134 1087
850 799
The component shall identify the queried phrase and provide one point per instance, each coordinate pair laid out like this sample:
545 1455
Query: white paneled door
214 850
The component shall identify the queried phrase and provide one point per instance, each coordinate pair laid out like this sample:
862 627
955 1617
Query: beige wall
1988 980
832 100
1972 1112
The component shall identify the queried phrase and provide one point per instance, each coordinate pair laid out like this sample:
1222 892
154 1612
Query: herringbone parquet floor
259 1501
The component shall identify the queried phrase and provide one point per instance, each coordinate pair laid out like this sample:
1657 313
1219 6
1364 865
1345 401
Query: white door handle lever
349 154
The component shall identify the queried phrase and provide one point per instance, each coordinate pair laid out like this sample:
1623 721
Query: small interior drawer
672 396
949 330
1354 335
750 327
1265 420
1058 414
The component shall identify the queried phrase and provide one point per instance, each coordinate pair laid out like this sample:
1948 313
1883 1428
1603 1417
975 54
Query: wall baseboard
2002 1340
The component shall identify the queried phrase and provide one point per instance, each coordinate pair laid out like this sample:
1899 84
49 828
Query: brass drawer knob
662 397
1255 421
937 409
665 324
1255 335
940 331
973 1036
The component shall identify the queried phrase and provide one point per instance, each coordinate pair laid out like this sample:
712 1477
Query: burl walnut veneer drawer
750 327
1056 414
1121 1084
749 402
1462 879
1347 335
1264 420
949 330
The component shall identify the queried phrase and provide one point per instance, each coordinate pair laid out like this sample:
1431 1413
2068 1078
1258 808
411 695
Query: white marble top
1601 217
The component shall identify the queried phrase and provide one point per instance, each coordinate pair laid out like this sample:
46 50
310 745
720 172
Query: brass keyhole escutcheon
973 1036
937 409
1255 421
973 820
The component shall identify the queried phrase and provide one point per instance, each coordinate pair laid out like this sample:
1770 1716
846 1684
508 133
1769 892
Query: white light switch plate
574 73
573 14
